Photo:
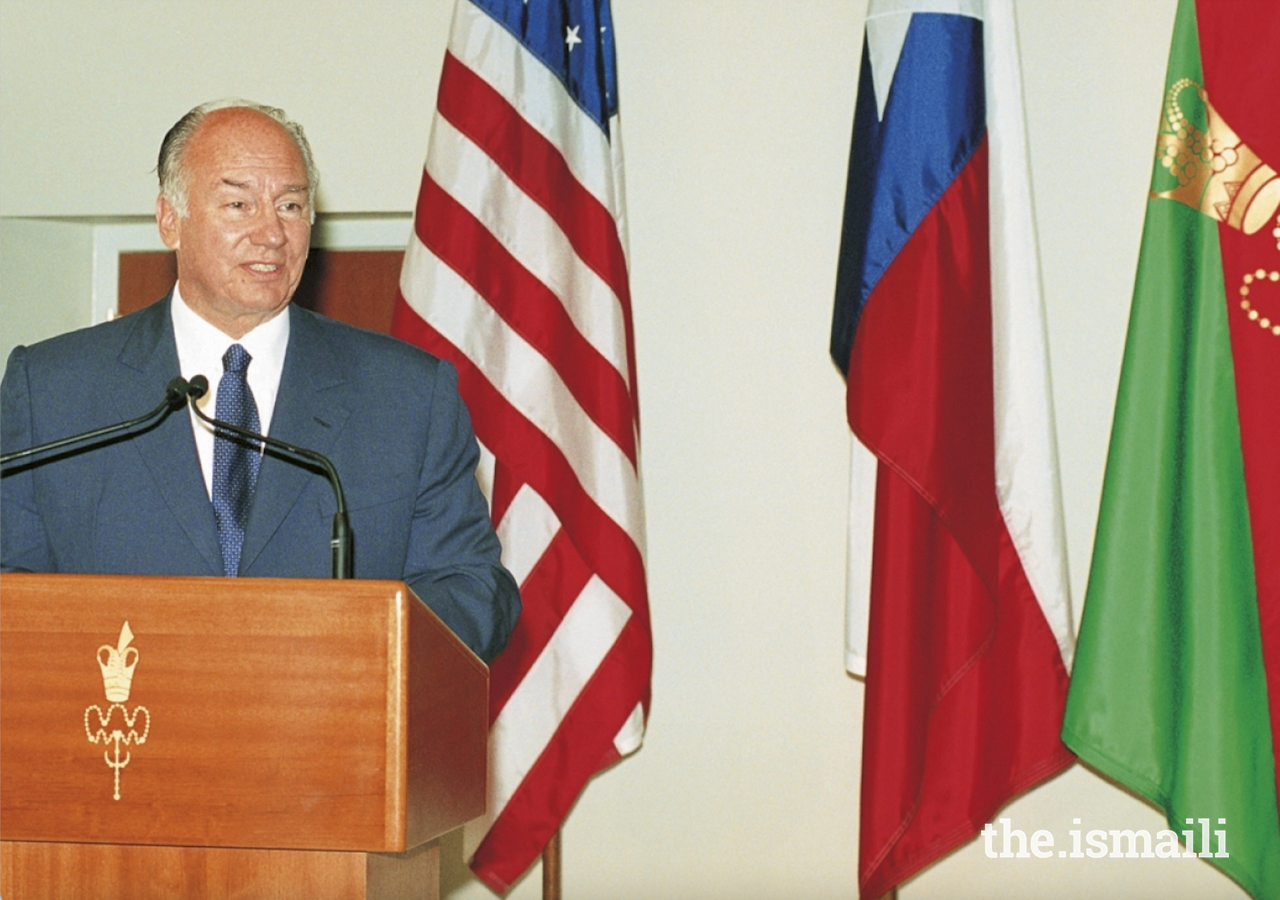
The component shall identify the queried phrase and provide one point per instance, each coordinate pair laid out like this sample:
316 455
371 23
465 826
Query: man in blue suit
237 188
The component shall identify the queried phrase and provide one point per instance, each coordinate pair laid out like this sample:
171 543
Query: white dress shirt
200 350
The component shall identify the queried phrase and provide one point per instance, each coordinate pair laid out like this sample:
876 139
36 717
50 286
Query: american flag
517 274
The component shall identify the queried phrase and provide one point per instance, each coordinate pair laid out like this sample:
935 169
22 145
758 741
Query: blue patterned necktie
235 459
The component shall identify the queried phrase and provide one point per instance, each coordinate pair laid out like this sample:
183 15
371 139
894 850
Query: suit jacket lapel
148 360
310 412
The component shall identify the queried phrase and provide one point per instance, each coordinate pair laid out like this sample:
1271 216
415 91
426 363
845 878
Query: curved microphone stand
343 555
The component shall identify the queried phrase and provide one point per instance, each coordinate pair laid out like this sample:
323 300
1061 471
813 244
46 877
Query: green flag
1169 693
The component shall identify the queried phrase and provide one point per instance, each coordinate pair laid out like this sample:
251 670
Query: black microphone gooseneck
343 565
175 396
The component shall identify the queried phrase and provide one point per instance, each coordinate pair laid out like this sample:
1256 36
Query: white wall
737 116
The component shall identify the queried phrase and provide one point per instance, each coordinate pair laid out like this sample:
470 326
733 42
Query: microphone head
175 392
197 387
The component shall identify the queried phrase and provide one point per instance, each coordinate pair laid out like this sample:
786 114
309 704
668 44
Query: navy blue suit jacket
386 413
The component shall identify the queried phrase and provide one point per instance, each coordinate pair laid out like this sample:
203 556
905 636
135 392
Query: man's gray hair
172 171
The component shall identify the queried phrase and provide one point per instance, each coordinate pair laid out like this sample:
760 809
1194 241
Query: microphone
343 556
175 396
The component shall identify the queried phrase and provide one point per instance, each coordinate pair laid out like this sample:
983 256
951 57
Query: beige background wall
737 116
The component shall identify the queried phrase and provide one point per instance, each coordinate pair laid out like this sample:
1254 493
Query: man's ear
167 220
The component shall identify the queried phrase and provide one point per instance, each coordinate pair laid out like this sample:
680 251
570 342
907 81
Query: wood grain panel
144 277
59 871
278 714
353 286
447 717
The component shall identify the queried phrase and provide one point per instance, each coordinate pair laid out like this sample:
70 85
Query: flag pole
551 868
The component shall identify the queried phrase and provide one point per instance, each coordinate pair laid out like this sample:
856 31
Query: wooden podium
238 738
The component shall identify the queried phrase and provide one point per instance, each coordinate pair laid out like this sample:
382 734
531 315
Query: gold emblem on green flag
1217 172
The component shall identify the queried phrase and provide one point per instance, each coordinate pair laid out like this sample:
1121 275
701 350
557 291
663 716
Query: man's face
243 243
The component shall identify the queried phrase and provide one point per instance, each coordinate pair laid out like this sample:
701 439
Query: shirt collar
201 345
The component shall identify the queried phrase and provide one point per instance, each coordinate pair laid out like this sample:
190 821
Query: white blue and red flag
517 274
962 599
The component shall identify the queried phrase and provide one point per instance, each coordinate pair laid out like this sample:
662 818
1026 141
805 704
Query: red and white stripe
517 274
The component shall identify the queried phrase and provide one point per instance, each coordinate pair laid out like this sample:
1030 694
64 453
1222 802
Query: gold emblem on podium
117 727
